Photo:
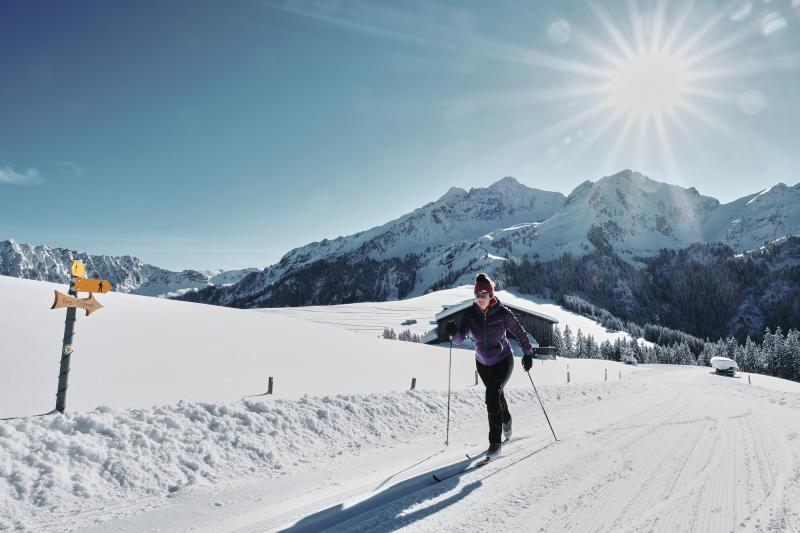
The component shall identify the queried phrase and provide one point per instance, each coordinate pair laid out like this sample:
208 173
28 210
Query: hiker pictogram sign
92 285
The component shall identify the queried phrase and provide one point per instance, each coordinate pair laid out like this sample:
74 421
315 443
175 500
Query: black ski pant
495 377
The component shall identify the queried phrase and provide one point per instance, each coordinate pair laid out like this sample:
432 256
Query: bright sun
648 85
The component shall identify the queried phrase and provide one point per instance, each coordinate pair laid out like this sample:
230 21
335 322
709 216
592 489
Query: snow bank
60 464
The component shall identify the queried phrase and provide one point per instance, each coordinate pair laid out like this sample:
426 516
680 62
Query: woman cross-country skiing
488 320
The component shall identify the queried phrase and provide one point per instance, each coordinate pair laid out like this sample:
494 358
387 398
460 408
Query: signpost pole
66 353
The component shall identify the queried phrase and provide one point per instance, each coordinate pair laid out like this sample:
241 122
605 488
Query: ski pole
449 367
540 403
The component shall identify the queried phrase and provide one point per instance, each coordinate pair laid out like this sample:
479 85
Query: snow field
56 466
687 452
344 444
140 352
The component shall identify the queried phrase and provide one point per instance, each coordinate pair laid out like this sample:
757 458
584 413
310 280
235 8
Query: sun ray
640 151
621 138
752 68
711 94
516 99
677 27
658 25
691 140
555 130
593 46
589 140
720 46
533 57
573 121
666 147
611 28
636 24
699 34
709 120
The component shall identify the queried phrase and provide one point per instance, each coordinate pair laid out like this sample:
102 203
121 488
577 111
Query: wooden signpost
73 303
92 285
90 304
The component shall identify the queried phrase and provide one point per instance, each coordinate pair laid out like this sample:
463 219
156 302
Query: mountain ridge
127 273
444 242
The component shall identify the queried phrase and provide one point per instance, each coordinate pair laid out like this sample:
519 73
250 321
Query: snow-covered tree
682 355
580 345
606 350
566 342
792 344
558 344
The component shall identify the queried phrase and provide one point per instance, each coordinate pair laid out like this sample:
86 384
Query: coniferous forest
692 304
705 291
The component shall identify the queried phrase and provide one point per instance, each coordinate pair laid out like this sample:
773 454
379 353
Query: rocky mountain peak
452 193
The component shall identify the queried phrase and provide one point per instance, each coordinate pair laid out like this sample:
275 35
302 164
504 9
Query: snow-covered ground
140 352
157 436
371 318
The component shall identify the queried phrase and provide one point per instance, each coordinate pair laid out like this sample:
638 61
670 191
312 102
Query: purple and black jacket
489 331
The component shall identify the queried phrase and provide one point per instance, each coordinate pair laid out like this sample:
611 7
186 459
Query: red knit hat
484 284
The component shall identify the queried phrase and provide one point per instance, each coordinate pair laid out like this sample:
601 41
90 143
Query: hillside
138 352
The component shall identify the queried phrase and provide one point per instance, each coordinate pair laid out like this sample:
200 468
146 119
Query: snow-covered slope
457 216
754 220
139 352
342 443
126 273
432 247
371 318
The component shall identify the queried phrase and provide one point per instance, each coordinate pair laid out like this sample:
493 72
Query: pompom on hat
483 284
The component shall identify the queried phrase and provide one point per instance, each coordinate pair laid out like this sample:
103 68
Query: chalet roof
455 308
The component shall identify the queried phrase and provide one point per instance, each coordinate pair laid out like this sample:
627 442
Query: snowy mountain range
126 273
445 242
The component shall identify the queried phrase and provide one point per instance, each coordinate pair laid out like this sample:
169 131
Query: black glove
451 328
527 362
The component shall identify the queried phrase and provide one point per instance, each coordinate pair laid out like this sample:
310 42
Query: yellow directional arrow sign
92 285
90 304
78 268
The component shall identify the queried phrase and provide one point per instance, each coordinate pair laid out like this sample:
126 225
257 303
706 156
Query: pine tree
617 349
709 351
792 344
683 355
783 355
752 357
627 355
606 350
566 341
558 343
580 345
592 351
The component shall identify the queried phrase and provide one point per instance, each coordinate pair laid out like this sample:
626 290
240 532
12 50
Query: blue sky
208 134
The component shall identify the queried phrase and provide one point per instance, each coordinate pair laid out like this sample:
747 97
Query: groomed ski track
676 449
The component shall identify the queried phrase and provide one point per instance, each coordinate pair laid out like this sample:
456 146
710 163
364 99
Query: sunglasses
481 295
